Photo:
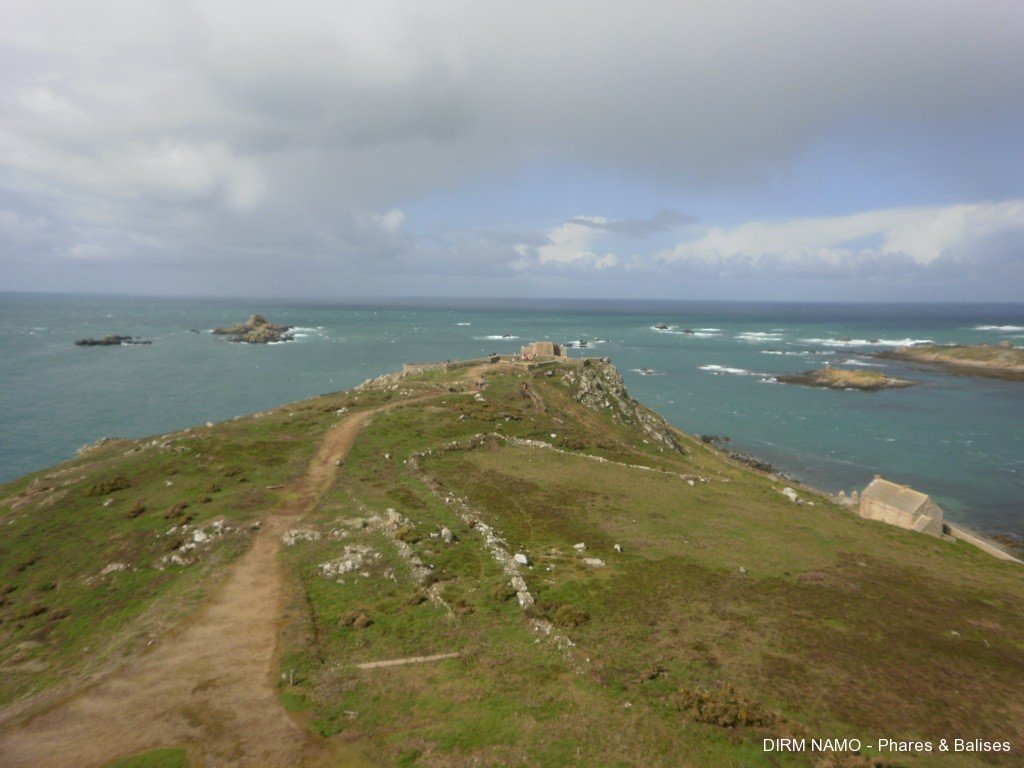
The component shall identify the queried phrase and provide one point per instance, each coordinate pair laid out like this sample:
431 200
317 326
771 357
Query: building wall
932 510
543 349
874 509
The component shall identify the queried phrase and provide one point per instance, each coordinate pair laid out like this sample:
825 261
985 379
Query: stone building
901 505
537 349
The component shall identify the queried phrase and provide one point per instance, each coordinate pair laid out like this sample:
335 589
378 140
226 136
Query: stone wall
928 519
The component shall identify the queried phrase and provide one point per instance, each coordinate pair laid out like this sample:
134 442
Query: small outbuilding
901 505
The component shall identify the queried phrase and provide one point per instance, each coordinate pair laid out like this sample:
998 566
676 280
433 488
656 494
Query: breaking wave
1001 328
867 342
720 370
759 336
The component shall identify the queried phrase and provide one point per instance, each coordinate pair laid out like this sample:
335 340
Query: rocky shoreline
1001 361
843 378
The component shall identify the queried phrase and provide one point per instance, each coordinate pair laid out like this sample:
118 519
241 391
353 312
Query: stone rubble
295 535
354 557
194 539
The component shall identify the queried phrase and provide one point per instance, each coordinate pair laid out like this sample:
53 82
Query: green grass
157 758
817 621
839 625
59 614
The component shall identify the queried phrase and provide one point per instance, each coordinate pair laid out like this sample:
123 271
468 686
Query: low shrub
176 511
724 708
503 593
569 616
408 534
119 483
356 619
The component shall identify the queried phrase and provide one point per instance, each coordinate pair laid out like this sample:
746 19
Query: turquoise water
957 438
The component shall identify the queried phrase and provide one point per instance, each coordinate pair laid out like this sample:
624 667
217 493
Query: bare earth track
209 688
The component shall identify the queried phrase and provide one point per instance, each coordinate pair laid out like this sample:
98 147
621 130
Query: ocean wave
463 323
867 342
862 362
646 372
759 336
788 353
699 333
719 370
583 343
495 337
1001 328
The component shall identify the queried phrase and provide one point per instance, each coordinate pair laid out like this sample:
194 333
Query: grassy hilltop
704 612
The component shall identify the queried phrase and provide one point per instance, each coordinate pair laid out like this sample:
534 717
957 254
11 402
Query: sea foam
867 342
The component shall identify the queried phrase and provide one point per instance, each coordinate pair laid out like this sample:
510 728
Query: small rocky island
110 341
1000 361
845 378
256 330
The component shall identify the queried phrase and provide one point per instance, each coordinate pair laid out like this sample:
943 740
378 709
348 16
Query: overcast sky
747 150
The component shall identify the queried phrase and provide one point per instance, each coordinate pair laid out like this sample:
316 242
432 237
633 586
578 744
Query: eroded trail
211 687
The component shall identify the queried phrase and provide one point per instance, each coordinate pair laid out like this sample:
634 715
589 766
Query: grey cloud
190 133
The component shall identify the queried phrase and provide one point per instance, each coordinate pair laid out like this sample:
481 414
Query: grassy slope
842 626
58 614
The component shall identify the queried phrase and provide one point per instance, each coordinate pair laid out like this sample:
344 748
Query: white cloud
392 221
571 243
923 234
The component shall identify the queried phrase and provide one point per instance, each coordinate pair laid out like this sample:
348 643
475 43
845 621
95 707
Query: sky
768 150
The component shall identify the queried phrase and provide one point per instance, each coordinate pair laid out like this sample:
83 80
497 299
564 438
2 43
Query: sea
710 371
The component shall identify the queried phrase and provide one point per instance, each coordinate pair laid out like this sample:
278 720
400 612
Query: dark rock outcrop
598 385
110 341
256 330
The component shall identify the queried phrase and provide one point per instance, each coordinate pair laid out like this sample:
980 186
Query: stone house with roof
901 505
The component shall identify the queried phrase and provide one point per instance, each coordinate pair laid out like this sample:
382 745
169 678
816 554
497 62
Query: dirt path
210 688
538 401
407 660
